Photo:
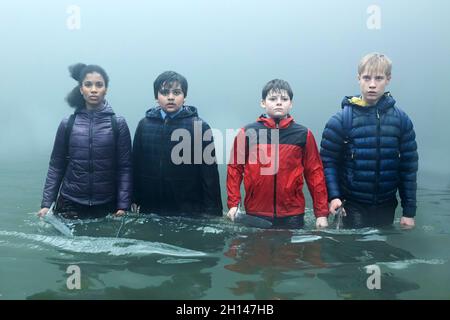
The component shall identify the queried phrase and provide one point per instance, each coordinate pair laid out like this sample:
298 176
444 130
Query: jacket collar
185 112
104 109
385 102
271 123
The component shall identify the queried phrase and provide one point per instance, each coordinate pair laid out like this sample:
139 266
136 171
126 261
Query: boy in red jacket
273 155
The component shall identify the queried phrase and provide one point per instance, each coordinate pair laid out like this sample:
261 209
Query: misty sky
227 50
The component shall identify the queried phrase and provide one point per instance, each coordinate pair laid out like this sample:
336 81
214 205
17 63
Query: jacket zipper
161 190
276 174
91 166
377 172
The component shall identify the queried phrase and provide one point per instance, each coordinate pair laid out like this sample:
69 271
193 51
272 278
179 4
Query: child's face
93 89
171 98
372 85
277 104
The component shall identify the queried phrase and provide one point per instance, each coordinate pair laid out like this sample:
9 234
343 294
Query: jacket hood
106 109
386 101
271 123
186 112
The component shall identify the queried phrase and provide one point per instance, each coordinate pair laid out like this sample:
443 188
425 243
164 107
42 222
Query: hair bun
75 70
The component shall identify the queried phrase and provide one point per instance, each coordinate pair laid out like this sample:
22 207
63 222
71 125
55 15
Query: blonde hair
375 62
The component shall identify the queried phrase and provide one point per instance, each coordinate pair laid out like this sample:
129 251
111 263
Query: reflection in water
337 258
271 254
351 254
182 258
135 279
176 273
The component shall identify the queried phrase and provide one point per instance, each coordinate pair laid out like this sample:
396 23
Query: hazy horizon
227 50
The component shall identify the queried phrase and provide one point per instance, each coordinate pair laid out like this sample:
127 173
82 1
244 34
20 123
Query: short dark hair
167 80
78 72
277 85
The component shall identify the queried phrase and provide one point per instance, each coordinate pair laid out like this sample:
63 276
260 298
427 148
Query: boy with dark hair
369 152
273 156
168 182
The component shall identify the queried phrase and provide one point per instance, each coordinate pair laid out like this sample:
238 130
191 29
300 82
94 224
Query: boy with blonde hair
369 152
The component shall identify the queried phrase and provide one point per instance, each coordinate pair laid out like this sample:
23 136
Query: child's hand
407 223
334 205
119 213
321 222
42 212
232 213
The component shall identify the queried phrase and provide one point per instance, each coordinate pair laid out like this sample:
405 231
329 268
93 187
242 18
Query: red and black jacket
273 169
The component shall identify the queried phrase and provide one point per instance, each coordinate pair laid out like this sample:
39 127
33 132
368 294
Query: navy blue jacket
99 167
165 187
374 158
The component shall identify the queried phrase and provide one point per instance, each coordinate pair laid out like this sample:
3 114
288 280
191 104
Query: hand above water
321 222
41 213
334 205
119 213
232 213
407 223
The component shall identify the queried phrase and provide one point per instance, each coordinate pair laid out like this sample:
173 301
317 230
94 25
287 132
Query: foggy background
227 50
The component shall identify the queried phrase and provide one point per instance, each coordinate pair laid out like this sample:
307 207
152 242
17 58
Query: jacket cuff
232 204
331 198
123 206
409 212
322 214
46 204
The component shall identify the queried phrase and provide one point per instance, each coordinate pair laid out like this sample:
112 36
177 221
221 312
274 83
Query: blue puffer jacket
374 158
99 167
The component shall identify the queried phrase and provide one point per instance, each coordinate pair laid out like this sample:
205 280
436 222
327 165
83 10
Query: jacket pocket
291 198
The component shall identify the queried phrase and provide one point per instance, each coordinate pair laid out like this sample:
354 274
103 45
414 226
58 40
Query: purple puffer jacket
98 170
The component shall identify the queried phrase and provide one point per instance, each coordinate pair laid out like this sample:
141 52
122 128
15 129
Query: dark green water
214 258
